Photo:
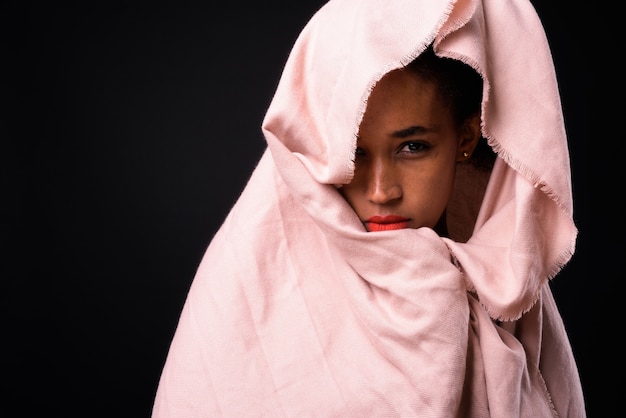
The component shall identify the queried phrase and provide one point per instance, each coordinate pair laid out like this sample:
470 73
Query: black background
129 131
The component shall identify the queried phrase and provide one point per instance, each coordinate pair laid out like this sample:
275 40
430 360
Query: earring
465 154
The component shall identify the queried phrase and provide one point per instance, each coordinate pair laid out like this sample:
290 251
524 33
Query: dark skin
407 151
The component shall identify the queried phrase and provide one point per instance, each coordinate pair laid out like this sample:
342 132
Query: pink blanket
297 311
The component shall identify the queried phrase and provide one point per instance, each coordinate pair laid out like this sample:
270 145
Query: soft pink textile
296 311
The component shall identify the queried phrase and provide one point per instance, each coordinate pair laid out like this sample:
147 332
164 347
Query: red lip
386 223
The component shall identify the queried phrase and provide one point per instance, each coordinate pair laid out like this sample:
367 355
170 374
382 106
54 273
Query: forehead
400 98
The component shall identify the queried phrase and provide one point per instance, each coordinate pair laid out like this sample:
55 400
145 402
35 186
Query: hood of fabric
522 231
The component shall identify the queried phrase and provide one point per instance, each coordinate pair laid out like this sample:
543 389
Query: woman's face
406 153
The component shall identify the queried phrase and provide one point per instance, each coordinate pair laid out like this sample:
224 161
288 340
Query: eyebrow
410 131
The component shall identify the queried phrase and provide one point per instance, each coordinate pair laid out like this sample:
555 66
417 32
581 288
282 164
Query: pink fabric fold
297 311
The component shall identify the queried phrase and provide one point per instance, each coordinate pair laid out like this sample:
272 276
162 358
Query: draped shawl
297 311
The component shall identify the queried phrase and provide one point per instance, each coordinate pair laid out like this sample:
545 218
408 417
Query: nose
383 185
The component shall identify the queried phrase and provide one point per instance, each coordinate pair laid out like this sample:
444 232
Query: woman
369 268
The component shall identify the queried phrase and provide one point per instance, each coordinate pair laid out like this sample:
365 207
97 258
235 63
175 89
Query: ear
469 135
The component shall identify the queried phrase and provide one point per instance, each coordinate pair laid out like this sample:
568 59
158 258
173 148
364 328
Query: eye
359 152
413 147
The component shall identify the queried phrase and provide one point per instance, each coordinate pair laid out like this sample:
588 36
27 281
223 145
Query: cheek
429 190
443 185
